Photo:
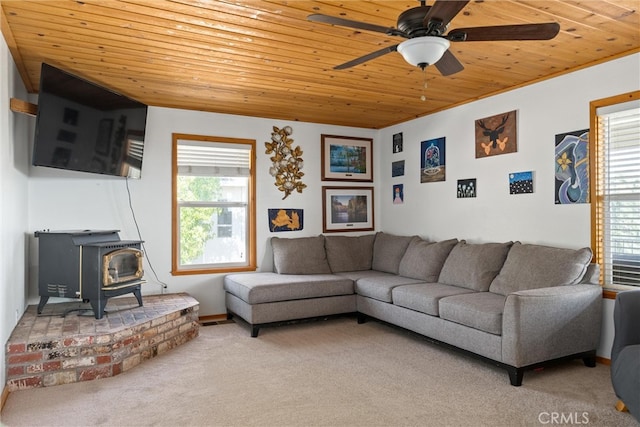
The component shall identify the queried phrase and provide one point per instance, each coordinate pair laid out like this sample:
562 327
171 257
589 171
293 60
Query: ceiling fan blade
544 31
449 64
443 12
326 19
366 58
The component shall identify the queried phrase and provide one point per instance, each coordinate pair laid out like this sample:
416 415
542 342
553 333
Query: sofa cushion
380 287
346 253
388 250
257 288
474 266
478 310
424 260
424 297
536 266
302 255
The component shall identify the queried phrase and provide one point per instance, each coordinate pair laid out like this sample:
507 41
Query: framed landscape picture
347 209
346 158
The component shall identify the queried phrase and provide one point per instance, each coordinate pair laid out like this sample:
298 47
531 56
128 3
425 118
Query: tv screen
82 126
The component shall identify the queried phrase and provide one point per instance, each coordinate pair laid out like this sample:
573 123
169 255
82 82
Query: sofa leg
362 318
229 315
254 331
515 376
621 407
589 361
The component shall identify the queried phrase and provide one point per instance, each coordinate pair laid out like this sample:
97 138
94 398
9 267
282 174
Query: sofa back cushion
474 266
388 250
303 255
424 260
537 266
346 253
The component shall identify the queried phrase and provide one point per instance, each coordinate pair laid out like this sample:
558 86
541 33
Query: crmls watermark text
557 418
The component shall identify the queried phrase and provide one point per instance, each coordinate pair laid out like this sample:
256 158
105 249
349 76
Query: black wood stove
92 265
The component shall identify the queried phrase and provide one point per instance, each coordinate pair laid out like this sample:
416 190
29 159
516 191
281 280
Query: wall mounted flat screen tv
85 127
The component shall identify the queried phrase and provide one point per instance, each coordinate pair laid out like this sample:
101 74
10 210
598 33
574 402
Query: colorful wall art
285 220
496 135
432 160
398 194
572 167
521 182
466 188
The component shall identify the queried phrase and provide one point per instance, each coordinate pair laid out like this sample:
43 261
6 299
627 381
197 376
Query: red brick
117 368
24 358
101 360
52 366
94 373
15 371
24 383
17 348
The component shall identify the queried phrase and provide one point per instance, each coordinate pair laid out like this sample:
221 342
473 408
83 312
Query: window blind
200 158
618 194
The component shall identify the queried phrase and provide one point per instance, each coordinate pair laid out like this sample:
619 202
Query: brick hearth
51 349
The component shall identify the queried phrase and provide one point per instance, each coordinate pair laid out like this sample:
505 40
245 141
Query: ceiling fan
427 44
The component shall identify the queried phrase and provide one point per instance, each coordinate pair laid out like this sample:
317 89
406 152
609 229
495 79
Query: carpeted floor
326 373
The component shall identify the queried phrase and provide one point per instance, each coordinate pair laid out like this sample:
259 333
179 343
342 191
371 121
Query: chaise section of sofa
301 286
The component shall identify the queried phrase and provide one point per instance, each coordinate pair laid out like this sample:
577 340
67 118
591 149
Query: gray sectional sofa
516 305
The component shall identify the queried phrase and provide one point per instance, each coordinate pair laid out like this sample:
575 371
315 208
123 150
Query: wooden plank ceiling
265 59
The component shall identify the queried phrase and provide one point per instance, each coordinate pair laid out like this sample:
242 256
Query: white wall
14 162
545 109
70 200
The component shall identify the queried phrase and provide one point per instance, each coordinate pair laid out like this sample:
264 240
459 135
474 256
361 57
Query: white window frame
250 233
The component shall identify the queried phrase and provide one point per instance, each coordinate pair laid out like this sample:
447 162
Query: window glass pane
202 242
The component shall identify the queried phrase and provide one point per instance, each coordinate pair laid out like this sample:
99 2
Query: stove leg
43 301
98 308
138 296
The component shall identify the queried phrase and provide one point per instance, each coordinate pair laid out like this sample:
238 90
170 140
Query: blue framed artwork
432 160
572 167
521 182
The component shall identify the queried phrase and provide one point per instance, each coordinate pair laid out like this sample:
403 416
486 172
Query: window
213 205
615 193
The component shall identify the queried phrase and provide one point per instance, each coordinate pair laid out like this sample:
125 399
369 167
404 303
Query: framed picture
397 168
347 209
346 158
397 142
572 167
432 160
496 135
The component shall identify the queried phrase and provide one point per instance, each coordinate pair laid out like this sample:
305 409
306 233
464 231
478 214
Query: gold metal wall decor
287 161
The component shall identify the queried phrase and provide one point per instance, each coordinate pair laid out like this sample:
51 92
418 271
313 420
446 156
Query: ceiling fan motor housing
411 22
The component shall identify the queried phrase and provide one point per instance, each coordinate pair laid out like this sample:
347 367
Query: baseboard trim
212 318
5 396
603 360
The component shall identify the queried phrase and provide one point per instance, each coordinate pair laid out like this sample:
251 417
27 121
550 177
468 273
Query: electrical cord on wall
135 221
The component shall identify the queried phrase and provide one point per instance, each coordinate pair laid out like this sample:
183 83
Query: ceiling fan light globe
423 50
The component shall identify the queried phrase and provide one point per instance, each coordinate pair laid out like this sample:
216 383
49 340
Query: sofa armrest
548 323
626 319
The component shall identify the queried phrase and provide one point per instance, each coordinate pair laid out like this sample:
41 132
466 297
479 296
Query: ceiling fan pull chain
424 85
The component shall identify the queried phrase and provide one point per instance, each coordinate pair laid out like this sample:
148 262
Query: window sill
610 291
